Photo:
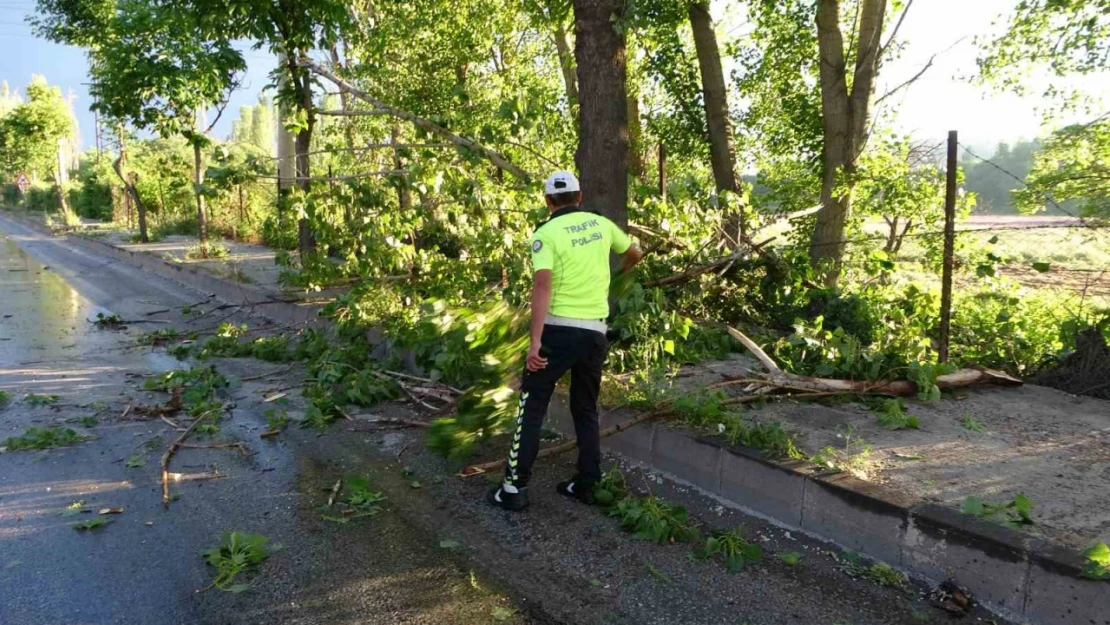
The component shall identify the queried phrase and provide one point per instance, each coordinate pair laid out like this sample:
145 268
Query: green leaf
668 346
501 613
237 588
1042 267
449 544
1024 507
1098 562
790 558
973 506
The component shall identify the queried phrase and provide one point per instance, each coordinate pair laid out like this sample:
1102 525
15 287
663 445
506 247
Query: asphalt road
436 554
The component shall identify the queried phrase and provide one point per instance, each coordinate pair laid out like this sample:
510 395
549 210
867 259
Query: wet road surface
145 566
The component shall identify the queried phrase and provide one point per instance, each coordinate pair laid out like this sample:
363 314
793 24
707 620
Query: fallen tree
778 384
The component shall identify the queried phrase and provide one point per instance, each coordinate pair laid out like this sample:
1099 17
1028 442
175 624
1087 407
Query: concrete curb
1021 577
270 305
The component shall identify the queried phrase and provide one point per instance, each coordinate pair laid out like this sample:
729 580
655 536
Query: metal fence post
949 249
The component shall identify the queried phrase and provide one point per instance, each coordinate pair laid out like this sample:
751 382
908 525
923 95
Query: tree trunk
404 196
845 117
344 100
129 186
566 64
198 182
722 154
602 155
636 157
306 240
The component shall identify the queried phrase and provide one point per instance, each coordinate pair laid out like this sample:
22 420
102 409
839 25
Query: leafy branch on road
44 438
238 552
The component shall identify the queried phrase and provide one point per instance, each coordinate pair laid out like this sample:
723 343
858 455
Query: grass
971 425
736 551
44 438
890 413
206 250
1015 513
38 401
237 552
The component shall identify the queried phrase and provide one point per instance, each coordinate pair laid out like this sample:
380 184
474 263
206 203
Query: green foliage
650 518
769 438
135 461
1015 513
96 522
5 398
879 573
160 337
736 551
37 401
1097 565
790 558
611 488
1072 167
360 496
237 552
44 438
30 131
971 425
276 419
206 250
891 414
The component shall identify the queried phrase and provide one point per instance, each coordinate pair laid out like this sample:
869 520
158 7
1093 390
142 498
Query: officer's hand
535 362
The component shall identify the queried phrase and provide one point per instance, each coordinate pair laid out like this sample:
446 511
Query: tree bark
129 187
344 99
637 162
198 182
845 117
404 195
306 241
722 154
602 155
566 64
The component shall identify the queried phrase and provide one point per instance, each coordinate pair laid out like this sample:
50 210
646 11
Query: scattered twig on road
344 413
170 423
159 311
169 454
268 374
125 411
240 446
334 492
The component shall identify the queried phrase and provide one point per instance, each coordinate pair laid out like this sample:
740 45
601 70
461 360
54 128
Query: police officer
570 258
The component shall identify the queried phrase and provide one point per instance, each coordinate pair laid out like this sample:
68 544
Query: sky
940 101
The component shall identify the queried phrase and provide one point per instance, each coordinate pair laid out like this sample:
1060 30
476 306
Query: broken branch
169 454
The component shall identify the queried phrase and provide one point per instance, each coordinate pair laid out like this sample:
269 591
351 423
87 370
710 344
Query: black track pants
582 352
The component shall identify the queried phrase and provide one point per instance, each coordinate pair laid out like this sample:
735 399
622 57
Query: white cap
561 182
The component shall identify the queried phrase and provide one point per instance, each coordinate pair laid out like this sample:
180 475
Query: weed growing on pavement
73 509
650 518
854 457
769 438
736 551
38 401
5 398
1097 565
44 438
92 524
971 425
611 488
1015 513
206 250
790 558
276 419
237 552
135 461
109 322
881 574
160 337
891 414
360 496
89 422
